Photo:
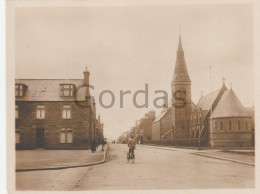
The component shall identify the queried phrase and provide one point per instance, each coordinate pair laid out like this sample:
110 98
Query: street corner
51 159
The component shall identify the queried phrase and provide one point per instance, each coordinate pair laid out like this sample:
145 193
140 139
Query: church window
246 125
216 125
238 125
221 125
230 125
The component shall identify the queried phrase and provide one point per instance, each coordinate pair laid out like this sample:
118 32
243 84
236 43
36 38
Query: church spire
180 71
180 44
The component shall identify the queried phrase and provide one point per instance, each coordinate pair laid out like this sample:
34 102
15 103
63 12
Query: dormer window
67 90
20 90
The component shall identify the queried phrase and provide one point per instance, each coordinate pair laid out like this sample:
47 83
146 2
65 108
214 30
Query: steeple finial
180 44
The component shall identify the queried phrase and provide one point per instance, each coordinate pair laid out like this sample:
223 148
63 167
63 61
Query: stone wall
52 124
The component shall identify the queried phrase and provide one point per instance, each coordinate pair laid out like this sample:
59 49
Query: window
19 90
66 111
67 90
221 125
230 125
66 135
238 125
63 135
246 125
69 136
16 111
40 112
216 125
17 136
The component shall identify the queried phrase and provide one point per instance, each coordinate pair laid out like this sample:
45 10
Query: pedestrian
103 144
93 146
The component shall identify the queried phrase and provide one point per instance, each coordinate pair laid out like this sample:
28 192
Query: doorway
39 137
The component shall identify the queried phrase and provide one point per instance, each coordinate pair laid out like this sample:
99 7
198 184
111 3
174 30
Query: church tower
181 98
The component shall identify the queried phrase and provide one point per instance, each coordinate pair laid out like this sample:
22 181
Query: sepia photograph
131 96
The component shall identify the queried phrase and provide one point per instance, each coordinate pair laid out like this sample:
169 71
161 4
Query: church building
218 120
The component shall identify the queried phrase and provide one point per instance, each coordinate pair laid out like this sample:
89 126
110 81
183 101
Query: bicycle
132 157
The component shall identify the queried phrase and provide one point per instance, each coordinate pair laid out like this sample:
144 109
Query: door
39 137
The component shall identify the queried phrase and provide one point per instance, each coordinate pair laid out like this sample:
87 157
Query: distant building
55 114
145 127
162 128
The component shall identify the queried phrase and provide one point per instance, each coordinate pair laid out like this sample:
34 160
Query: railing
163 136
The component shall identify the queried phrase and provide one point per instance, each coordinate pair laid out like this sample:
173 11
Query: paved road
153 169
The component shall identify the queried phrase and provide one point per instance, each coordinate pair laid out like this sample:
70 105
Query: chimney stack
86 76
86 83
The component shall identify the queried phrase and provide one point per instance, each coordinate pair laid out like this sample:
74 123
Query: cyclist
131 144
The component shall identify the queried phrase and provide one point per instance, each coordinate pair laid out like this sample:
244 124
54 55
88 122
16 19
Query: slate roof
49 89
250 111
161 115
180 71
229 106
205 102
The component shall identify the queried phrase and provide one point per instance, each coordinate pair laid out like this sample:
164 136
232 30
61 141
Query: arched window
238 125
230 125
221 125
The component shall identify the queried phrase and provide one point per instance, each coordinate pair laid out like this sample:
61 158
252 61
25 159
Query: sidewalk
42 159
240 156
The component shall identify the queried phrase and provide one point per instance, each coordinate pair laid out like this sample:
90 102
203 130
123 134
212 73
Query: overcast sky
127 47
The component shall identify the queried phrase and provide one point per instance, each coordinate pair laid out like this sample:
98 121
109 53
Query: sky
126 47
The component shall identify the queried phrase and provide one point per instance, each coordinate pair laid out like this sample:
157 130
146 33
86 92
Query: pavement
162 169
41 159
239 156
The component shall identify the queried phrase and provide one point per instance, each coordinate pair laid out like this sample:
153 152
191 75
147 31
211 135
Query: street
154 168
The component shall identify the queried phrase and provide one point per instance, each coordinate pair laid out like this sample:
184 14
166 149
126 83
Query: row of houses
56 114
141 130
218 120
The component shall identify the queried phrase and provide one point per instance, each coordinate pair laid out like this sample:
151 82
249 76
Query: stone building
100 130
55 114
162 128
181 99
145 127
185 123
231 124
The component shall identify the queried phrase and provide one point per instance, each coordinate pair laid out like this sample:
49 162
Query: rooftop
49 89
229 106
